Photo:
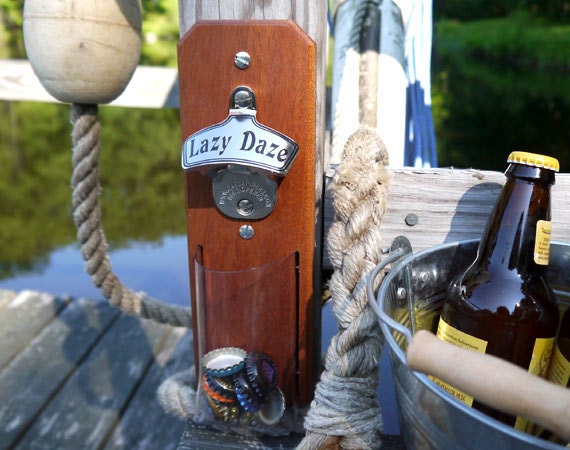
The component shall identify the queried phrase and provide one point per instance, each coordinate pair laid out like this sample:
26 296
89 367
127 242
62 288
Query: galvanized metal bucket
410 298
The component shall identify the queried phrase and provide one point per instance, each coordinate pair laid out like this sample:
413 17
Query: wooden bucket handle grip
493 381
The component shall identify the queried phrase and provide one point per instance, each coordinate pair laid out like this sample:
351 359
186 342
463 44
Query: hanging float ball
83 51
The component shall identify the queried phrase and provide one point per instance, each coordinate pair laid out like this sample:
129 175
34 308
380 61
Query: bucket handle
377 304
493 381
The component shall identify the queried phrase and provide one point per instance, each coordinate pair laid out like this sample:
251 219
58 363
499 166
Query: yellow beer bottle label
539 364
559 372
454 336
542 242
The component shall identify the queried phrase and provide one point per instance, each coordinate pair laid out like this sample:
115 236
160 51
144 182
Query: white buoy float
83 51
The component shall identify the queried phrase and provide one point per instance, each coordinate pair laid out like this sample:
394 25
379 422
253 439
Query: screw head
242 60
401 293
245 207
411 219
246 232
243 99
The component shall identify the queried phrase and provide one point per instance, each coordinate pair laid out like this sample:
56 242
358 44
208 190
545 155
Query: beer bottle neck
509 239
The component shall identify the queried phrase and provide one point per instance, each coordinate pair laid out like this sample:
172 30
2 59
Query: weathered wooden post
252 116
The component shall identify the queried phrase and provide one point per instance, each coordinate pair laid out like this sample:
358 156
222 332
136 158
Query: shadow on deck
78 374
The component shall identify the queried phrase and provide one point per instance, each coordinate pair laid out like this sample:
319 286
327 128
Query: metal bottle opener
240 155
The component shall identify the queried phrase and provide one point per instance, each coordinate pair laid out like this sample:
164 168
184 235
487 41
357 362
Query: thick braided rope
345 404
87 217
177 394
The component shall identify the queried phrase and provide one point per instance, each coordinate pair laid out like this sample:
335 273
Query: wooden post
310 15
287 77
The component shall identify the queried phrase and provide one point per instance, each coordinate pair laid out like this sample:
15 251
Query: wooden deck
77 374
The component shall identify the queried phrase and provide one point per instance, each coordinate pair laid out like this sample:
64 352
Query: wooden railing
150 87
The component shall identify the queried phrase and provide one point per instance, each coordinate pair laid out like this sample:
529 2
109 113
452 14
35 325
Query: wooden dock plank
89 405
150 87
206 438
23 318
144 424
448 205
34 376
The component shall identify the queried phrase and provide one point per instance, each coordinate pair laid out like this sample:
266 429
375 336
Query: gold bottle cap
534 159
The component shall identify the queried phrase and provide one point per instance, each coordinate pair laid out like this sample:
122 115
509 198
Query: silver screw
245 207
401 293
243 98
246 231
242 60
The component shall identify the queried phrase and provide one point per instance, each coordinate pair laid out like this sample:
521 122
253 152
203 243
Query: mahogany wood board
282 75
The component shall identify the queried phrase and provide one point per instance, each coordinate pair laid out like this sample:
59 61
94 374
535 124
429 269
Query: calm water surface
159 269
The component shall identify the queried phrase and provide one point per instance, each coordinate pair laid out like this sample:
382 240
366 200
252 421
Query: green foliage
11 41
160 31
551 10
518 40
467 10
142 183
470 10
500 84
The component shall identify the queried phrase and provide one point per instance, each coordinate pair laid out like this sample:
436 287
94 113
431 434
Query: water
159 269
142 201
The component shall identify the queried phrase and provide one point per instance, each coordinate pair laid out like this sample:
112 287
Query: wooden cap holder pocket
247 106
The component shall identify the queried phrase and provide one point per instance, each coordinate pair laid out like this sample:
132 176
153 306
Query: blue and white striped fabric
420 147
405 120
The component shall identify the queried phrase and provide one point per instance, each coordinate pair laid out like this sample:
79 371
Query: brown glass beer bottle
502 304
559 371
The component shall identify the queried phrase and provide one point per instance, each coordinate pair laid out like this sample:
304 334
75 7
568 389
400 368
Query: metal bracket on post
250 193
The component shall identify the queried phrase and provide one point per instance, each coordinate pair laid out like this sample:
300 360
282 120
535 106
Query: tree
160 31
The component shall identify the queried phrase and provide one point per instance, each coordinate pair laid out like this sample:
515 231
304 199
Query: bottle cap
223 386
534 159
246 395
211 393
261 372
228 412
224 361
273 408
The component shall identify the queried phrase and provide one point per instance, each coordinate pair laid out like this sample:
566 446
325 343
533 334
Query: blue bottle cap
246 395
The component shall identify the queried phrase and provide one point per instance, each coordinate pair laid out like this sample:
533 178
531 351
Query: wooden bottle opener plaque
258 294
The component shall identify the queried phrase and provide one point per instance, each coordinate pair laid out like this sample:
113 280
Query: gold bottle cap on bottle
534 159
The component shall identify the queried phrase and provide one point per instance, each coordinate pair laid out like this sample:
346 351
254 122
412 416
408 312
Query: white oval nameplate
240 139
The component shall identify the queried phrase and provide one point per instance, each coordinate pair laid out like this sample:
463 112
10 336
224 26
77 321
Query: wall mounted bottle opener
239 154
253 216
